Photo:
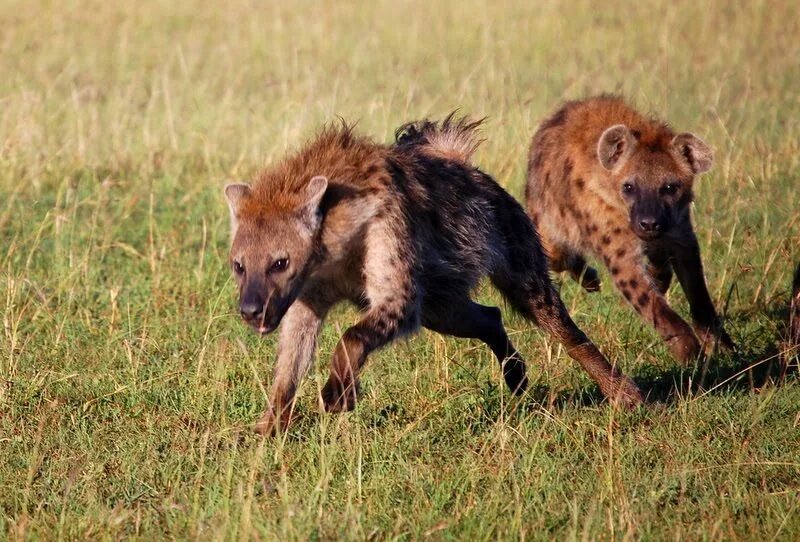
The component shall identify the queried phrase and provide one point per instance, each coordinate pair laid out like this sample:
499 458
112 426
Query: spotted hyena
403 231
607 181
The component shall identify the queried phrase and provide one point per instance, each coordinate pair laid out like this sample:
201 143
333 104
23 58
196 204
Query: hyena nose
250 309
649 224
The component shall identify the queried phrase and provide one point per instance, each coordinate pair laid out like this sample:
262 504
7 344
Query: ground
129 383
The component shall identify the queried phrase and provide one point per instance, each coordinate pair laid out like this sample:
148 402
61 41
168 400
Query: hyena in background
405 232
608 181
794 315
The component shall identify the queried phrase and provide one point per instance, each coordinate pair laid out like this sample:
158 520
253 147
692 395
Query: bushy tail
452 139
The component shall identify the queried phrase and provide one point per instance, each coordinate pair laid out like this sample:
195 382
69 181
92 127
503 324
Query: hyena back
605 180
405 232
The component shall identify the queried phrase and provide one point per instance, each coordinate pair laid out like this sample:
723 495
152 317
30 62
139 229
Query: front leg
625 260
391 293
689 270
379 326
296 346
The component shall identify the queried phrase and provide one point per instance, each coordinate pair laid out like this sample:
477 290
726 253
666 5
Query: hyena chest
340 280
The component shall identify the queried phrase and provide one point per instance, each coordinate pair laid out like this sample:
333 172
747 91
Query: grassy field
129 383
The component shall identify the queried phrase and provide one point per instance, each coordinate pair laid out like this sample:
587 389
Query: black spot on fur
620 252
580 183
643 299
567 168
606 240
634 283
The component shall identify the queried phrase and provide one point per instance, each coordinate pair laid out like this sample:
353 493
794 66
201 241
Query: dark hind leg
538 301
565 259
584 275
467 319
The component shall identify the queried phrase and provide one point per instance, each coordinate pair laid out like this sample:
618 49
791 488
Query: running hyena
603 179
403 231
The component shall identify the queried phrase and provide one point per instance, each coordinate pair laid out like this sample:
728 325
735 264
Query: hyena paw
627 395
590 281
338 396
685 348
714 340
515 375
269 424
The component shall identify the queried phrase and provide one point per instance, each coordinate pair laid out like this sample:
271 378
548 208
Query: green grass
128 383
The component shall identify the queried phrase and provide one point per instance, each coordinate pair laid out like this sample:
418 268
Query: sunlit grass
128 383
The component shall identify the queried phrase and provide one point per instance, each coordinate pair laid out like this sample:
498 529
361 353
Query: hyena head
653 177
273 248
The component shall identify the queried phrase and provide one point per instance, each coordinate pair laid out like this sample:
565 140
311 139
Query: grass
128 383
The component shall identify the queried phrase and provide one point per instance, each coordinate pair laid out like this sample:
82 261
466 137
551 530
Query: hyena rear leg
467 319
631 278
539 302
565 259
584 275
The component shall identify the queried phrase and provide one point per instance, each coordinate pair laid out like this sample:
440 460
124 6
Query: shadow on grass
758 361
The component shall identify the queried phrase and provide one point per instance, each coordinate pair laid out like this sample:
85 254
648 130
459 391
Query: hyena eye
280 265
628 188
238 268
670 188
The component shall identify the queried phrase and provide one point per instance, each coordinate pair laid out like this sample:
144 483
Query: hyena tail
452 139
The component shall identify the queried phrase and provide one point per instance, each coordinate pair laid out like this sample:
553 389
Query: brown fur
405 232
607 181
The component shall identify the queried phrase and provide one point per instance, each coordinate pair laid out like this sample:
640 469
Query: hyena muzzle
608 181
405 232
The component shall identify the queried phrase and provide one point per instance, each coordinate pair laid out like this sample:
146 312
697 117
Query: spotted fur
606 181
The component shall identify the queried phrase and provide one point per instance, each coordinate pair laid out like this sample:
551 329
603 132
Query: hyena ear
236 193
694 151
315 189
614 146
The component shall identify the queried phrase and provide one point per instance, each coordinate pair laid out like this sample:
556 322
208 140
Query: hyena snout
251 309
254 311
650 221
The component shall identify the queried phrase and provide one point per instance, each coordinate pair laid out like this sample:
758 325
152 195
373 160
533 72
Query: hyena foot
627 395
589 279
339 396
514 374
584 275
714 341
269 424
685 348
